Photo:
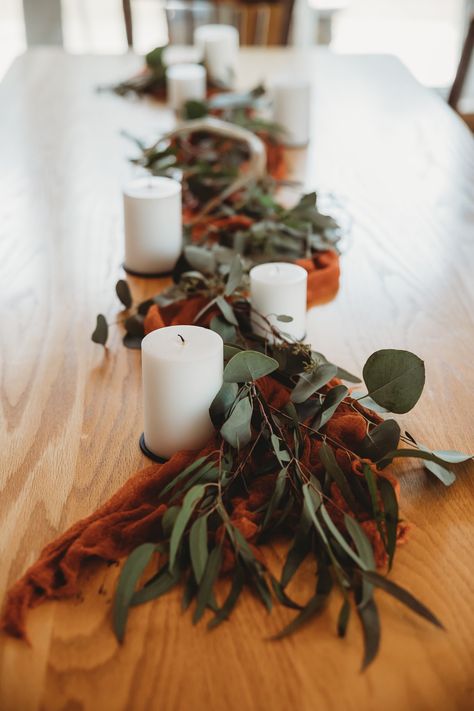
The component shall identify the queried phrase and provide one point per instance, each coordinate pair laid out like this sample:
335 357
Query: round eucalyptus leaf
101 331
123 292
247 366
394 379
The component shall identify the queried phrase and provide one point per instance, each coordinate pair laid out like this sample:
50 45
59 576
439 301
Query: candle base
147 275
148 453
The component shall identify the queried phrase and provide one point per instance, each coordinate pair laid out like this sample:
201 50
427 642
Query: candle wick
182 339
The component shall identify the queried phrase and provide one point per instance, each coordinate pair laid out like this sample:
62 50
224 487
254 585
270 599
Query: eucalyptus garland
279 466
305 484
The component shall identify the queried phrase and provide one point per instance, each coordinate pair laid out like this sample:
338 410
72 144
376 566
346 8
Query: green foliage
381 440
236 430
190 501
154 59
309 383
101 331
129 576
248 366
257 442
394 379
123 292
258 439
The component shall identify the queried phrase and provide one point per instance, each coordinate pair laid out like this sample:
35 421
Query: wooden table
71 414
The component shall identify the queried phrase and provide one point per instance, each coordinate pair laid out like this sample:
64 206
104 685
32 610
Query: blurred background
426 35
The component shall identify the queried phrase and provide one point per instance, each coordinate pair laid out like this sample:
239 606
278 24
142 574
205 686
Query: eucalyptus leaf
247 366
229 603
236 430
331 402
101 331
299 548
329 462
225 329
230 351
450 455
362 543
309 383
390 508
341 373
402 595
380 440
343 619
160 586
122 290
198 546
365 552
222 403
374 498
443 474
189 592
190 501
210 574
132 342
315 605
235 276
260 585
184 474
276 497
282 597
367 401
169 517
282 455
226 310
337 535
129 576
394 379
369 616
135 325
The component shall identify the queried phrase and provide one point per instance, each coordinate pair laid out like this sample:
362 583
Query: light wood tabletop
402 164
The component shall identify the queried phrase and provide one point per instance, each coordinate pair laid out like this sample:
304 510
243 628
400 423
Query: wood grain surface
403 165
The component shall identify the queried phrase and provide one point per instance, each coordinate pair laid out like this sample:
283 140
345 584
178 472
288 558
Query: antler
258 154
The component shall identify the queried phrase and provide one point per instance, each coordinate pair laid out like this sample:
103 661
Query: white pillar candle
153 225
276 289
219 45
182 369
291 108
185 82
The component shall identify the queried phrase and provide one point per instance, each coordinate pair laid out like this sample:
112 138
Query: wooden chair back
463 67
259 23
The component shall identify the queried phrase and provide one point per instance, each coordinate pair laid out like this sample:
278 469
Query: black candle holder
148 453
146 275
